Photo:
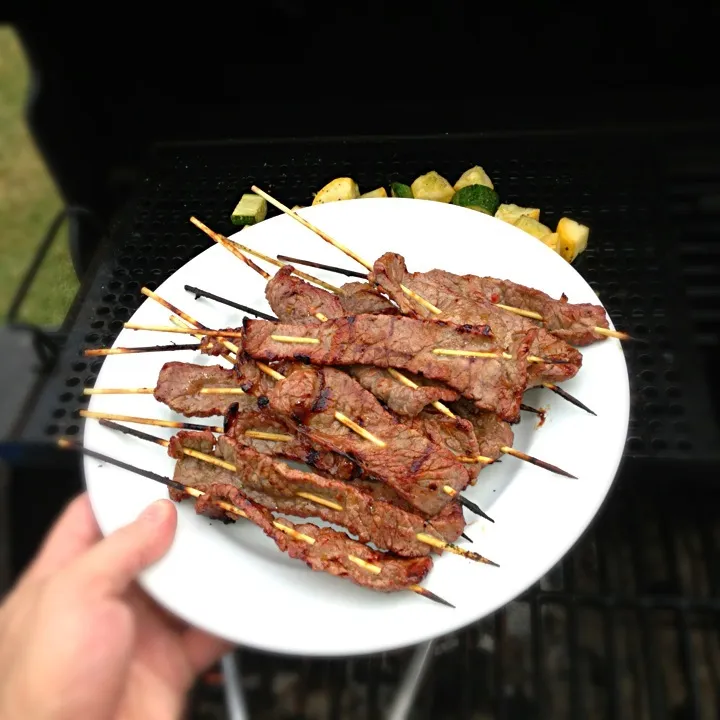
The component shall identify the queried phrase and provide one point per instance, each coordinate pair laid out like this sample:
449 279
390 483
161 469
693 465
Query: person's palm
78 638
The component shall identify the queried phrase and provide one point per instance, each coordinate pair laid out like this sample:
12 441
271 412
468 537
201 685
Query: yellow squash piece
474 176
552 241
432 187
533 227
573 238
338 189
379 192
510 213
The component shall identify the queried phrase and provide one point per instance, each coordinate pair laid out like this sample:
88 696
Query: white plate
232 581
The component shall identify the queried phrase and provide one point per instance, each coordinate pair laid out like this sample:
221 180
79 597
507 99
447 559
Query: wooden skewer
118 391
410 293
422 537
100 352
504 355
509 308
148 421
194 492
567 396
233 246
225 355
172 329
299 340
262 435
340 417
198 293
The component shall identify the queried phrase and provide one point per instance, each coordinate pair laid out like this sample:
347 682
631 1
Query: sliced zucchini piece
573 238
379 192
474 176
552 240
535 228
250 210
400 190
338 189
477 197
432 187
510 213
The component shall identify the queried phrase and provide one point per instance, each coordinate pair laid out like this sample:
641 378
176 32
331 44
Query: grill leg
409 685
234 697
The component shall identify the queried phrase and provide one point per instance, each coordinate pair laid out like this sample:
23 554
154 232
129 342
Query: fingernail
156 512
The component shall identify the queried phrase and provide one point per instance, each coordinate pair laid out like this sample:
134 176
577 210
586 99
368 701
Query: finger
110 567
203 649
73 532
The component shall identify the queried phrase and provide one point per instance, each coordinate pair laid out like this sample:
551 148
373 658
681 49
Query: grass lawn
28 201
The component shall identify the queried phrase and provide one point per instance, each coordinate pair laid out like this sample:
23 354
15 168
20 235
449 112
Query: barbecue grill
627 625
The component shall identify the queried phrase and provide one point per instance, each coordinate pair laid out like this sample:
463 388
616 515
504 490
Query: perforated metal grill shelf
634 194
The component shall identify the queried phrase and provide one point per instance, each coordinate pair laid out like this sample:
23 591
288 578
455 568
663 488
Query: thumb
110 566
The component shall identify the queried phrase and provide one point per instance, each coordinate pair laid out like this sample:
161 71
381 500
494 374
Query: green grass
28 201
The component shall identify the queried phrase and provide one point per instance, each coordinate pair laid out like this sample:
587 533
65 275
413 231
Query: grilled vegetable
400 190
510 213
573 238
477 197
552 241
337 189
474 176
533 227
379 192
250 210
432 187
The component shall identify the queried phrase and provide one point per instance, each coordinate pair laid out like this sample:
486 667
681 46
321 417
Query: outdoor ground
28 201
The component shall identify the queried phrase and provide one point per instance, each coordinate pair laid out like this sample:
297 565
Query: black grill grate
634 260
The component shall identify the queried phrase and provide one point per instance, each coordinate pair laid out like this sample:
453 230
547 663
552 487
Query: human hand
78 637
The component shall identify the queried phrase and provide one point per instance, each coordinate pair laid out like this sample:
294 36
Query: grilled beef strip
274 485
414 467
455 434
331 549
491 432
461 303
295 301
494 384
571 322
361 298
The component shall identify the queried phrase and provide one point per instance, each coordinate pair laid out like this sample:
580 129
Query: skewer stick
181 323
567 396
340 417
322 266
92 415
261 435
298 340
198 293
101 352
194 492
222 391
509 308
422 537
534 461
234 246
118 391
410 293
504 355
187 318
171 329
